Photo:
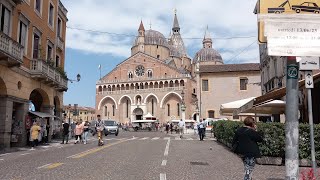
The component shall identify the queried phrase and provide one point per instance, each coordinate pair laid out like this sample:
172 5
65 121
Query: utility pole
292 122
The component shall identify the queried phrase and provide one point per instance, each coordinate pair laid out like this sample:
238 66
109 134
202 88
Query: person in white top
201 129
181 127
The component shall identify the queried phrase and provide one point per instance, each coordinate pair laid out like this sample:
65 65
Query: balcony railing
41 70
143 79
149 90
60 43
10 50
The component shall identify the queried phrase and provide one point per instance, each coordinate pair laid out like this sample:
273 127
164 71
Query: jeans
85 136
249 163
201 133
65 135
35 142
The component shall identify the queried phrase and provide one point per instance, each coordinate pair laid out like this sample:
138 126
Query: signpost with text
291 28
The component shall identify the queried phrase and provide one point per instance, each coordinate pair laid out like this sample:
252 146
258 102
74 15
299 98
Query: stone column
5 122
21 112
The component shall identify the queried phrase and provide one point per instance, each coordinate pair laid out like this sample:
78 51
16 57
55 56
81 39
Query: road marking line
166 138
189 139
1 159
24 154
177 138
166 151
163 176
4 154
155 138
91 151
54 165
44 166
164 162
79 153
144 138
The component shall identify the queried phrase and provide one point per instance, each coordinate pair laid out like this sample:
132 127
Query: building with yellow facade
80 113
32 58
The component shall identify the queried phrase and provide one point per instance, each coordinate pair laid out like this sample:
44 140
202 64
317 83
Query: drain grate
199 163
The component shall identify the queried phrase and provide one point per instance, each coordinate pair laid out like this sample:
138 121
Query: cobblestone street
131 155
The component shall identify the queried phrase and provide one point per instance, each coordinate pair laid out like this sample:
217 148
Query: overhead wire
243 50
130 35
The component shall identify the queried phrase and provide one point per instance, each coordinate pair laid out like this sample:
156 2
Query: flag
99 66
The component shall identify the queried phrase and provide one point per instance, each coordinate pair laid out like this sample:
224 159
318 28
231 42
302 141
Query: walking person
65 132
167 127
78 132
181 125
245 143
35 131
171 127
201 129
99 129
86 131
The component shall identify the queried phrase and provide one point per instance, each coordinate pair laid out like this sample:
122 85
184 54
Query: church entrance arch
40 99
138 114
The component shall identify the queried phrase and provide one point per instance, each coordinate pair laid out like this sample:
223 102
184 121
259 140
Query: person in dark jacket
245 143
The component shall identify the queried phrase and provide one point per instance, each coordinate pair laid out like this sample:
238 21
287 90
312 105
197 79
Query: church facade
159 78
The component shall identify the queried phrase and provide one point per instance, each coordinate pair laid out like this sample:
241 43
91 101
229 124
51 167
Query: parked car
306 7
111 127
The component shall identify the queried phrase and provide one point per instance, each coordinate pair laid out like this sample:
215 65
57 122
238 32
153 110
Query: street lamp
69 109
77 80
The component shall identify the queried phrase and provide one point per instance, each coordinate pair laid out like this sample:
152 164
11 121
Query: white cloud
230 18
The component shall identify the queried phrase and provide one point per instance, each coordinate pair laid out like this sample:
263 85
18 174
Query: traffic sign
292 71
285 7
308 79
309 63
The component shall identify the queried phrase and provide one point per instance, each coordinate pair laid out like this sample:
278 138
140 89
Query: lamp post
77 80
183 107
69 109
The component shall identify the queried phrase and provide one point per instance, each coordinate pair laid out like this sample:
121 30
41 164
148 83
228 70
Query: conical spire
207 34
176 27
141 27
207 41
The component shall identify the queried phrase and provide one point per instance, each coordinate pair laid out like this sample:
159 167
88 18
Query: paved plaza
132 156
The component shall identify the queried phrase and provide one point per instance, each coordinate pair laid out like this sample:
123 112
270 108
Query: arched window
178 108
168 106
130 75
152 107
106 111
149 74
127 109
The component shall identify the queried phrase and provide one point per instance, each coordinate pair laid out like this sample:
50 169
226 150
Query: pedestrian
201 129
73 126
65 132
195 128
167 127
99 128
78 132
245 144
181 125
86 131
171 127
35 131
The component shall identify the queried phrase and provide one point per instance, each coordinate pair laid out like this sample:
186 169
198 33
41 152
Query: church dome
207 54
153 37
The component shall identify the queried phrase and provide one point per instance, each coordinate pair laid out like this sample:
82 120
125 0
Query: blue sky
108 30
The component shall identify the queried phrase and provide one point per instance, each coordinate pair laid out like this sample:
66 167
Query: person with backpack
245 143
99 129
201 129
86 131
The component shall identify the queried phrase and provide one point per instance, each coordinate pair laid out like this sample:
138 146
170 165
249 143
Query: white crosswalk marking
166 138
189 139
155 138
144 138
177 138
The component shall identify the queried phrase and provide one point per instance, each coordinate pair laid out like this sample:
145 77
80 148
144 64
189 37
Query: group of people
80 131
39 132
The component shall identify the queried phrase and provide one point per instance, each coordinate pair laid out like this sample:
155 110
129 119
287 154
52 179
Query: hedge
273 135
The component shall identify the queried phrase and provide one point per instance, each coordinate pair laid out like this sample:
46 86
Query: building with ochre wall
32 76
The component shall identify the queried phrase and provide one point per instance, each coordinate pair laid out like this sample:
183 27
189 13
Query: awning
42 115
268 107
228 108
149 117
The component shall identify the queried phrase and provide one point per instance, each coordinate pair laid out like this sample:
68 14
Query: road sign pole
313 159
292 122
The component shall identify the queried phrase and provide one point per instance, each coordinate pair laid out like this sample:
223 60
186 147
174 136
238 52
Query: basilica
160 80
